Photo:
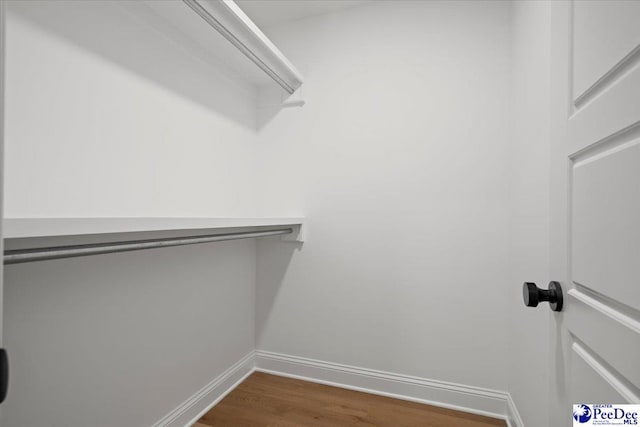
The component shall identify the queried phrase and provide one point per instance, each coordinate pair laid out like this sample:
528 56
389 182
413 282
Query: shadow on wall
273 100
124 338
273 262
267 112
132 36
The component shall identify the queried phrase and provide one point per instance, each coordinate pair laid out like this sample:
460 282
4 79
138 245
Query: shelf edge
26 228
233 24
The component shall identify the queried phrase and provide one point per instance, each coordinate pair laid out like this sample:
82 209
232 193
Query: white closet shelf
223 29
43 239
30 228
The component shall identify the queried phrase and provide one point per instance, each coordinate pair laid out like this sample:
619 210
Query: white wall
123 339
400 161
420 161
107 117
529 254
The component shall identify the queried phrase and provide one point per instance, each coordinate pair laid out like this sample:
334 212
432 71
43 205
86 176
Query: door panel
595 214
604 37
593 381
608 119
605 218
603 327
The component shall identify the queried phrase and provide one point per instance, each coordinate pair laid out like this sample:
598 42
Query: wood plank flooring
264 400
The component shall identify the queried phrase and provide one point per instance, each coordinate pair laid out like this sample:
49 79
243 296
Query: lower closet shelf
39 239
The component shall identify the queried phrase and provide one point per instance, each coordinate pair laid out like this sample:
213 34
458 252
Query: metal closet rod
18 256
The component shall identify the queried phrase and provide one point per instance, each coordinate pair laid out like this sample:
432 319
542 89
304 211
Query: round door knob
533 295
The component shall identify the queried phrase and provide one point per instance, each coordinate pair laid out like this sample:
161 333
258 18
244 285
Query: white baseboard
513 416
475 400
459 397
197 405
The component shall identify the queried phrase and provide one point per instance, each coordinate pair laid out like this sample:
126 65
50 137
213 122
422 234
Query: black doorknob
533 295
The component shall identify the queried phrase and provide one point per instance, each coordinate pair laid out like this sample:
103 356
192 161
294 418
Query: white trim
459 397
513 416
206 398
234 25
475 400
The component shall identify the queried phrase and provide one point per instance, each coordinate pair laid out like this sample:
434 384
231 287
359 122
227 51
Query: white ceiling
273 12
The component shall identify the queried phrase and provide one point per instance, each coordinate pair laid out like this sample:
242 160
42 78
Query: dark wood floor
268 400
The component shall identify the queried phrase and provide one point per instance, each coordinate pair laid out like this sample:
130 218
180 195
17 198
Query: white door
595 230
2 366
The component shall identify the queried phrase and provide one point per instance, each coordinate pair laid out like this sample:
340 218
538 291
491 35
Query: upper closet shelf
223 29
